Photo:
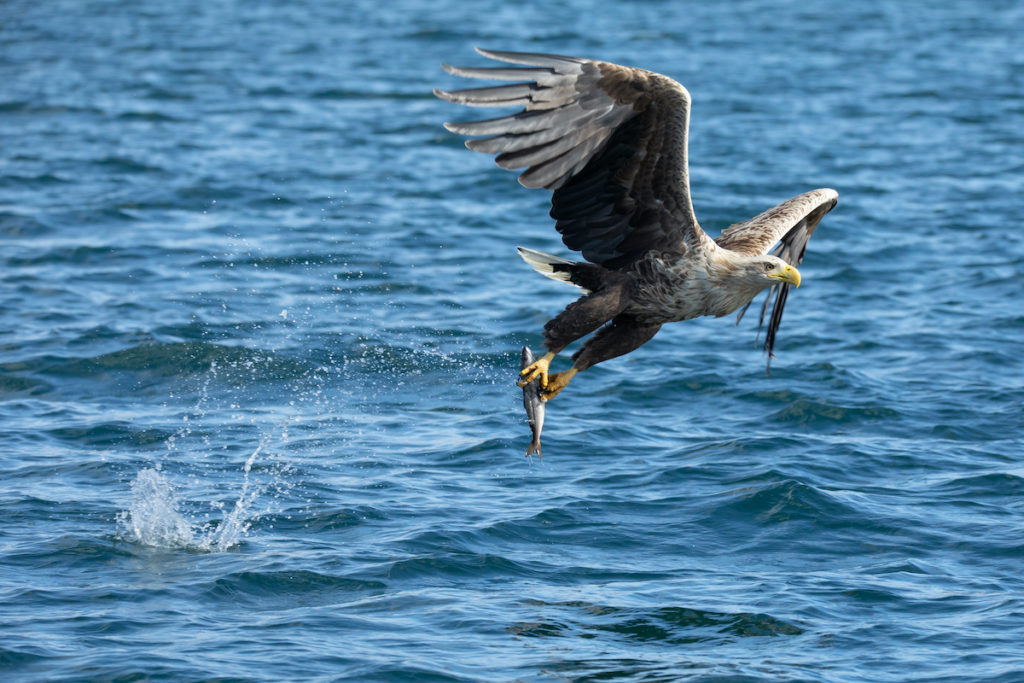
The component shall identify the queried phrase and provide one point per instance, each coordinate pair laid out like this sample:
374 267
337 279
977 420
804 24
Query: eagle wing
791 225
793 221
609 141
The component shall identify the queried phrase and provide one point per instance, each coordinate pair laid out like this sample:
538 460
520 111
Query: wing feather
609 140
541 76
494 96
801 214
529 58
523 122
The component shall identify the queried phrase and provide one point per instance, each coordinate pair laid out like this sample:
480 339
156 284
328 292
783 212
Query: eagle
610 142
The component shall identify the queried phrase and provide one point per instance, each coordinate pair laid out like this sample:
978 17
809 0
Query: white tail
544 264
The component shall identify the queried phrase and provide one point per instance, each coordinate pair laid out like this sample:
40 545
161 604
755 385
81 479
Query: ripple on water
450 568
771 509
14 386
272 590
811 413
671 625
154 362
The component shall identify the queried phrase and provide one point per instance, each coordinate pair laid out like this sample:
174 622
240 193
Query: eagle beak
789 275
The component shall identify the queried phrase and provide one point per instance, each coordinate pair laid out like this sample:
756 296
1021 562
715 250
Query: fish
535 407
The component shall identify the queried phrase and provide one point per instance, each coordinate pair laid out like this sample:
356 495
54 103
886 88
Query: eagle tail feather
586 276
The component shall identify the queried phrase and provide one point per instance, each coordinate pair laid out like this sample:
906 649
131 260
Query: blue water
260 317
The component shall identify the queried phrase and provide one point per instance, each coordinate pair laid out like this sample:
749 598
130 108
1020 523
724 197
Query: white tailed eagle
610 142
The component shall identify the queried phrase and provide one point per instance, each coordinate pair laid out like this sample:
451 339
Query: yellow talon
539 368
557 382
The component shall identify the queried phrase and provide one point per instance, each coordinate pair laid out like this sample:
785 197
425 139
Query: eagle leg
539 368
622 335
579 318
589 312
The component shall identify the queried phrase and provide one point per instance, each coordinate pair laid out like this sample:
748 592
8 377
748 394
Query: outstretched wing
791 224
609 140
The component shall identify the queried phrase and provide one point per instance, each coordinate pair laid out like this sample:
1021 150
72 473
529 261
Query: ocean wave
174 360
107 434
672 625
271 589
766 499
984 486
454 567
69 551
807 413
13 386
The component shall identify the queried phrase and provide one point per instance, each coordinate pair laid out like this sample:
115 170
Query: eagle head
771 270
735 279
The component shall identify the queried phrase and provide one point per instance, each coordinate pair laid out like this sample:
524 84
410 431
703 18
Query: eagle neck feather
729 287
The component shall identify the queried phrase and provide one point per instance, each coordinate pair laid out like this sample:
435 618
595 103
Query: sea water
260 318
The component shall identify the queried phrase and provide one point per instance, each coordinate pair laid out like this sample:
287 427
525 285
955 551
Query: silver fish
534 406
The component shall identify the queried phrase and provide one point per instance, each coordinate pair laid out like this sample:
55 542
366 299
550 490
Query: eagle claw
539 368
557 382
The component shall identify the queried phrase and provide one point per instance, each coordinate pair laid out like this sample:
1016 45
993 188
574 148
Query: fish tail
534 447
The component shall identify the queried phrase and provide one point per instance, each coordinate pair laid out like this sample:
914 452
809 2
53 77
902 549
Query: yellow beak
789 275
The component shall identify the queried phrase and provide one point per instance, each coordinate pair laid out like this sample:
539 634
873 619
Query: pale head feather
735 279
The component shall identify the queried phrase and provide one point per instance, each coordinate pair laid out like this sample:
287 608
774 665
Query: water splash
237 522
158 517
154 518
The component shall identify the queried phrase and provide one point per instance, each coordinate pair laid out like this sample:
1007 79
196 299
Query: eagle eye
769 266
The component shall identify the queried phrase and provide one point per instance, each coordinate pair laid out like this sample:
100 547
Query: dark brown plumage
611 143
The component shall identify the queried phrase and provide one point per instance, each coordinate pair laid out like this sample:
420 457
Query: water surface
260 314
